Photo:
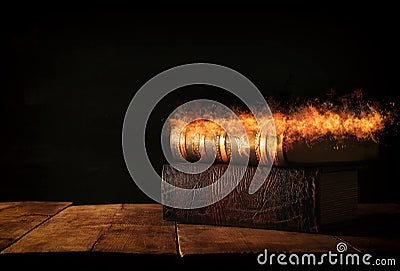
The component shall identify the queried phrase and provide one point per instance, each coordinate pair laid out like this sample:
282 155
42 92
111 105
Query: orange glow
308 122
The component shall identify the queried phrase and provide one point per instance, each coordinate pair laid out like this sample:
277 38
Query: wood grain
76 228
207 239
18 218
141 214
128 228
139 229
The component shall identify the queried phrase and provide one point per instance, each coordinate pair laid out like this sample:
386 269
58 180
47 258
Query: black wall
68 77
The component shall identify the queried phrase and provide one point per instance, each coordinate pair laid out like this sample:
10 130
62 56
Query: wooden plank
126 228
139 229
76 228
207 239
141 214
138 240
18 218
375 230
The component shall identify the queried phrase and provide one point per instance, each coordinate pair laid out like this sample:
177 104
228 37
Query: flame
308 122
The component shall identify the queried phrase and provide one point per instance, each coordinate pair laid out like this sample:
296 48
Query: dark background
66 79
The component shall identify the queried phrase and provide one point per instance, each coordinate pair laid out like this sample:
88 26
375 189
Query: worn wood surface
138 229
74 229
375 229
102 228
208 239
18 218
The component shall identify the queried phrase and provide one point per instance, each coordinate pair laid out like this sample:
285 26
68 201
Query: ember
310 123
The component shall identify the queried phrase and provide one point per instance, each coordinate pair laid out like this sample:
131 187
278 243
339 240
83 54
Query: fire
308 122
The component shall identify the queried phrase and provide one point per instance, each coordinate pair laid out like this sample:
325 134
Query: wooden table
106 235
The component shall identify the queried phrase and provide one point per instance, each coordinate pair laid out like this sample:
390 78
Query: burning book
314 150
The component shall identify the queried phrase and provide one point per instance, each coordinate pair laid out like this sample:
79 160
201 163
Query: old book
300 199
